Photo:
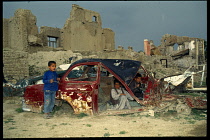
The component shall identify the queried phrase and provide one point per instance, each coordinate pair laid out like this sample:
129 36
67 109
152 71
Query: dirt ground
17 124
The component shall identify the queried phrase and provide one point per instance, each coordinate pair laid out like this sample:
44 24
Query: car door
79 87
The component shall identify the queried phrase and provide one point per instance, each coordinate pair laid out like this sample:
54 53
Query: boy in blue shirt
50 81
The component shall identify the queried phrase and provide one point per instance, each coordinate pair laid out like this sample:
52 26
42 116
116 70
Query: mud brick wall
15 65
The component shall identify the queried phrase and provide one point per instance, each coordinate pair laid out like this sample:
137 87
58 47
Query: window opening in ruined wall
94 19
52 41
176 46
164 62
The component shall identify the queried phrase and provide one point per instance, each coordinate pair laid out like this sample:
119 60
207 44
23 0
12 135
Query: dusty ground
66 124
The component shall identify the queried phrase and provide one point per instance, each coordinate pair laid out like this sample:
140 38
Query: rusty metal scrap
196 102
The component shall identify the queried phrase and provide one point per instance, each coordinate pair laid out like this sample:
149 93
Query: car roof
125 69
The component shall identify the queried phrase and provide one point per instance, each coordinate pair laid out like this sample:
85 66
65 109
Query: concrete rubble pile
40 59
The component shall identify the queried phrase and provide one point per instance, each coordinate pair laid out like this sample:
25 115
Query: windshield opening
83 73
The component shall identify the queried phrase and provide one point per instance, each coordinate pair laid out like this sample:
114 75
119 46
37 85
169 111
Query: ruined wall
50 32
179 59
168 41
21 33
109 37
16 31
5 33
190 50
19 27
40 41
83 31
15 65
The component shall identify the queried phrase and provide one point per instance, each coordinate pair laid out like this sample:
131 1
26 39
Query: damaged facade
190 54
82 32
190 51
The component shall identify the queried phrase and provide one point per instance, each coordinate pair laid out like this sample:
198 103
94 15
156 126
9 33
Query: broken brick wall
15 42
5 33
15 65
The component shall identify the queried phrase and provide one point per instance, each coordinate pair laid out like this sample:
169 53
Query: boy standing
50 81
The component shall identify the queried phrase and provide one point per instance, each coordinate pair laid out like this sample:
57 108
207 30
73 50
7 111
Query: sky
132 21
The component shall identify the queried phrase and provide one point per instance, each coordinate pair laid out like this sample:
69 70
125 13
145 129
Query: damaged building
188 56
82 32
190 51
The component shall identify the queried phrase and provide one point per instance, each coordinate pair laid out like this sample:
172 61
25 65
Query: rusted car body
86 86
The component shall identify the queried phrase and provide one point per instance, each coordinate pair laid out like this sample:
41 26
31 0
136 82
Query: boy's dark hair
51 62
116 81
138 75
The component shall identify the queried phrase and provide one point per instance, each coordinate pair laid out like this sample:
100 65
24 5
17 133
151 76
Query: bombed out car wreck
86 85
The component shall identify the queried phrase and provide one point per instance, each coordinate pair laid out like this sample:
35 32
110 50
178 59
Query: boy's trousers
49 100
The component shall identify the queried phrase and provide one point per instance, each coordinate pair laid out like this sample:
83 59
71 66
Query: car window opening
83 73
